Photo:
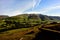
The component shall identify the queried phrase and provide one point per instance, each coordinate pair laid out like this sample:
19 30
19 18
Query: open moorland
30 27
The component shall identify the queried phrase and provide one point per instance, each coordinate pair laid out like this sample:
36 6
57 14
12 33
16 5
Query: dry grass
18 33
14 34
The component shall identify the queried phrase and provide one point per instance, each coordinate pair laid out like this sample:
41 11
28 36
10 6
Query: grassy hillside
26 26
25 21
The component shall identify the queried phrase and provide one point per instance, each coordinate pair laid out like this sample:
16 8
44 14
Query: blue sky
15 7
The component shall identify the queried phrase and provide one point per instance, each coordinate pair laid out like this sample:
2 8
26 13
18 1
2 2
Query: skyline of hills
41 16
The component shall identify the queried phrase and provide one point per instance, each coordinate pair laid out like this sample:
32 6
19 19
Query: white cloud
50 8
53 14
19 10
33 12
36 3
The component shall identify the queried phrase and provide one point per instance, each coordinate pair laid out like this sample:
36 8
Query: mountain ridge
36 16
41 16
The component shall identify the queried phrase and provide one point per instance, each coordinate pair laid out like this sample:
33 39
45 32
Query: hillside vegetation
26 26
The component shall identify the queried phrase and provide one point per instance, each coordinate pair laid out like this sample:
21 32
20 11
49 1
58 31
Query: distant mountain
33 17
45 17
39 16
3 16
